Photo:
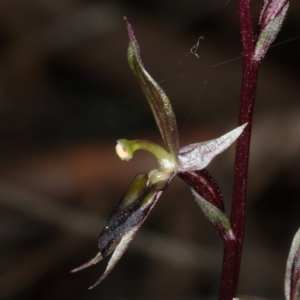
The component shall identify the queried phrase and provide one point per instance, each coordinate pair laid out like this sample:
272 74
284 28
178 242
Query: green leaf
215 216
292 274
157 99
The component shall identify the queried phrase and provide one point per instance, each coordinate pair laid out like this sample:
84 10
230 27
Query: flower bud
271 18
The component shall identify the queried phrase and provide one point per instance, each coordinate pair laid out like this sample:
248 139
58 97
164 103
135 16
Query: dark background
67 94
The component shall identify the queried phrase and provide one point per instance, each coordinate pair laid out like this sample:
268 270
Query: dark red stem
233 249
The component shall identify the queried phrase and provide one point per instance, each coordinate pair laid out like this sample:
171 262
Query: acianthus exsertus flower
144 191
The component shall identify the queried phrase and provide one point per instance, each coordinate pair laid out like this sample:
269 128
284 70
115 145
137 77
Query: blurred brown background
67 94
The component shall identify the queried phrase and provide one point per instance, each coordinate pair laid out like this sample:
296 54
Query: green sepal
157 98
218 219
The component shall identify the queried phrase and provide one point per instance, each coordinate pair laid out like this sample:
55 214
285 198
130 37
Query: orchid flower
144 191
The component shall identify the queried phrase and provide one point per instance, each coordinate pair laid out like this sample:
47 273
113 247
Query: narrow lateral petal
196 157
93 261
157 98
117 254
205 185
218 219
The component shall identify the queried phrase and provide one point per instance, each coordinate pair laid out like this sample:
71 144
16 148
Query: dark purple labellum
125 215
130 212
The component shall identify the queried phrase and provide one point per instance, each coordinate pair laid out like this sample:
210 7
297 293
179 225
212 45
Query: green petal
157 99
218 219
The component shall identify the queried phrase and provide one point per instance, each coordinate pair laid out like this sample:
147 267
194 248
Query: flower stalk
253 51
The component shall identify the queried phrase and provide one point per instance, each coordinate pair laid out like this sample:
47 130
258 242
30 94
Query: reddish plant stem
233 249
